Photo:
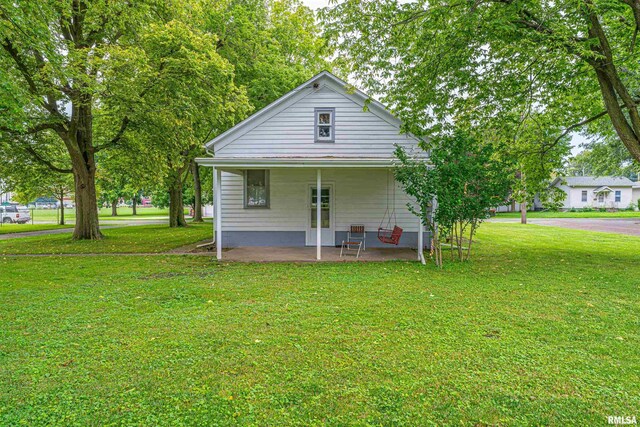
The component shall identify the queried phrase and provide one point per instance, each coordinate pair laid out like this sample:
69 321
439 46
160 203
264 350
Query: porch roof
296 162
603 189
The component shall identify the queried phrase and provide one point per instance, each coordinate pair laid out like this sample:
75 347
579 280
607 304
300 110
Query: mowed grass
21 228
105 213
132 239
534 331
593 214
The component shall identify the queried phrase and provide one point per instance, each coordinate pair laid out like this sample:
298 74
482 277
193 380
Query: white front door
326 214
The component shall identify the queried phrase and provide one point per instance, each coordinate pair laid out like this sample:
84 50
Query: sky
576 140
314 4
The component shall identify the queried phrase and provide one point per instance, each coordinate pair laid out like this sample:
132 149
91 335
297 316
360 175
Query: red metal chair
391 237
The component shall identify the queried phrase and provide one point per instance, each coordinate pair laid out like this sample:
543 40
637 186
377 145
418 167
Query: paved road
629 226
111 224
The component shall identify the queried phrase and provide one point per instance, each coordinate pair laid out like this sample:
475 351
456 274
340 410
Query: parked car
11 214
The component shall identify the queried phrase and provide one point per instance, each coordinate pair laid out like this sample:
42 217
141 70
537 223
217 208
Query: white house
610 192
267 170
635 194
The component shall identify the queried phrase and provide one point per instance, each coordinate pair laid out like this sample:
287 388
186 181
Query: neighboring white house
319 135
610 192
635 194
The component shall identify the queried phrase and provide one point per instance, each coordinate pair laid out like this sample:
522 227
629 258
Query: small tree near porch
461 183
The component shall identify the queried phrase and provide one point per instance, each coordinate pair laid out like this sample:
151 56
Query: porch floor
308 254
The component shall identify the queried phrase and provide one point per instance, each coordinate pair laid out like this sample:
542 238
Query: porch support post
217 191
318 214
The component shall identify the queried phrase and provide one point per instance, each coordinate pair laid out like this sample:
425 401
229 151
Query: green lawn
549 214
531 332
105 213
21 228
132 239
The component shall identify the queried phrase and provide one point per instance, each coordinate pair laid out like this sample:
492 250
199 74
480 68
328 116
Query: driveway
628 226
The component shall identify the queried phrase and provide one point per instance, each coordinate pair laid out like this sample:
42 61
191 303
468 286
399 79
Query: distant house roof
595 181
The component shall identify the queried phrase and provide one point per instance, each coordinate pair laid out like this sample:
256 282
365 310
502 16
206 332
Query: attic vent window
325 124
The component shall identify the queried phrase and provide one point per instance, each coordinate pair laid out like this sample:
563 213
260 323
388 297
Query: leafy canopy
494 64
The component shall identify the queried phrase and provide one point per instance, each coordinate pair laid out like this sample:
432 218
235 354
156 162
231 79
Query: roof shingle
597 181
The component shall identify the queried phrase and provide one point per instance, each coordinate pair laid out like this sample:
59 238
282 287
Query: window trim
267 179
316 113
584 196
617 196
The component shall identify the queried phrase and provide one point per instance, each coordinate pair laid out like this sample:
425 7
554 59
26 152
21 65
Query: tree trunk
114 207
133 205
176 206
61 199
625 118
197 191
523 212
79 142
87 226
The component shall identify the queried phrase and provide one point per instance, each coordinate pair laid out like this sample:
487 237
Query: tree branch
574 126
33 129
13 52
118 136
33 88
569 129
44 161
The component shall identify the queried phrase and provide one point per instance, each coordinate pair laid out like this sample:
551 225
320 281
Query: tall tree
197 99
537 152
122 175
61 59
274 45
479 61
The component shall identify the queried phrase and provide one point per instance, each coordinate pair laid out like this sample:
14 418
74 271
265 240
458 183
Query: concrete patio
308 254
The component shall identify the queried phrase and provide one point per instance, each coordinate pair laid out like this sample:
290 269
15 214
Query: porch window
325 124
618 195
256 188
584 195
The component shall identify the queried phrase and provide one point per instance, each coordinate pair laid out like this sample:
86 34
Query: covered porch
284 227
309 254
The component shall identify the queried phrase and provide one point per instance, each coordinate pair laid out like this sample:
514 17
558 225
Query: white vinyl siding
574 198
360 197
291 131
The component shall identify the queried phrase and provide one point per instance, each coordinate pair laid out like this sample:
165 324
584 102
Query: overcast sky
577 139
314 4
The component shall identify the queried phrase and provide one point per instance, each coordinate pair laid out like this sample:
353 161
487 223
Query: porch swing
386 234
